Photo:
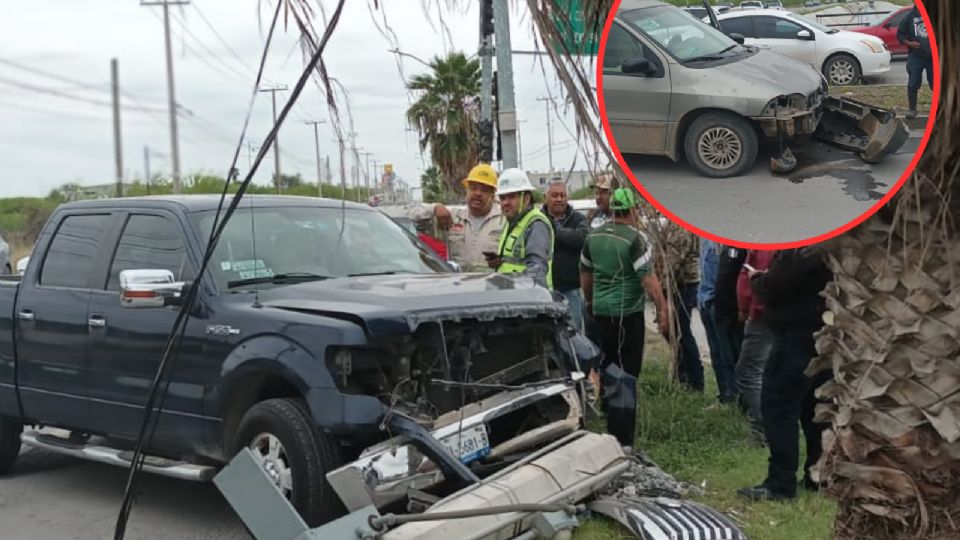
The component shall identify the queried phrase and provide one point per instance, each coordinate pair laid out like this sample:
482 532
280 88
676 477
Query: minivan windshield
685 38
291 244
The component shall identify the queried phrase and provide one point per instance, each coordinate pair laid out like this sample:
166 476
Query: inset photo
768 123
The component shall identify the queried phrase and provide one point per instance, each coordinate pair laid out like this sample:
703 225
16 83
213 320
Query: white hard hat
513 181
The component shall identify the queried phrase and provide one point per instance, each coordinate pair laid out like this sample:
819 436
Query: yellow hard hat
482 174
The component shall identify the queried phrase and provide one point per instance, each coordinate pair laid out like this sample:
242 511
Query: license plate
470 444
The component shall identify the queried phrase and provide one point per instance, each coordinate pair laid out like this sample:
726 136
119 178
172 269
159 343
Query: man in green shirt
615 271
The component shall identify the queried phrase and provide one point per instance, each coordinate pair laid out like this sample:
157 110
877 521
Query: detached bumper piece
664 518
872 132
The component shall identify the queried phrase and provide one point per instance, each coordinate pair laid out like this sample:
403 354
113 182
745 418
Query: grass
886 96
710 448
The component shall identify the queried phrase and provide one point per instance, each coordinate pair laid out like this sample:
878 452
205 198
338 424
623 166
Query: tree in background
446 114
434 189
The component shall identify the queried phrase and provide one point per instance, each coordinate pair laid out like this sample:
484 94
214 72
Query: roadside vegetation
710 448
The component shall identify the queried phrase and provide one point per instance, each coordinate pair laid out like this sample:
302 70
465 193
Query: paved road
897 75
52 497
829 189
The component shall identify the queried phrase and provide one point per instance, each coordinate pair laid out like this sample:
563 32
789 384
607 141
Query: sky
56 121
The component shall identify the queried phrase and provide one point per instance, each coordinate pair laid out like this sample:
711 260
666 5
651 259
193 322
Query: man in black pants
793 309
912 32
614 273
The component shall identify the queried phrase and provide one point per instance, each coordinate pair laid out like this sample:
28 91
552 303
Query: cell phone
749 268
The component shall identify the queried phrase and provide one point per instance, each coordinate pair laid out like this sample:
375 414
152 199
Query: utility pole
486 59
316 142
376 175
171 96
506 113
547 101
276 140
146 167
366 172
117 148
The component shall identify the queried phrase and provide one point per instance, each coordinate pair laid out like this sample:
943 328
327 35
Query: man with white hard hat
526 242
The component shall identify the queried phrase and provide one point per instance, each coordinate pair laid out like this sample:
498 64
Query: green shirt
619 258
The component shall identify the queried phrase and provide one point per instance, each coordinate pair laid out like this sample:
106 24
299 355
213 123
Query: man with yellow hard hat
472 230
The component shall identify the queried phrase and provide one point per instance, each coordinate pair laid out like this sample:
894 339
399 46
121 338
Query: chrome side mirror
22 265
149 289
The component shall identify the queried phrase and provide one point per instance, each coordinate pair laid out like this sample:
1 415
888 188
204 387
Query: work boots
912 100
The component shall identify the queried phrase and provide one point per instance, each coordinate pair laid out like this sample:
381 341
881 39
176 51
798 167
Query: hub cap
272 457
842 72
720 148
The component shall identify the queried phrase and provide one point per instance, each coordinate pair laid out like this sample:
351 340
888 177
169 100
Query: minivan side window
738 25
776 28
73 250
152 243
621 47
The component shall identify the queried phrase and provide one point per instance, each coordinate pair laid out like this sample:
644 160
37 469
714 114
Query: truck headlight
873 46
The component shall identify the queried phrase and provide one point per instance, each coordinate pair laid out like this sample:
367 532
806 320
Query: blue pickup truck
325 337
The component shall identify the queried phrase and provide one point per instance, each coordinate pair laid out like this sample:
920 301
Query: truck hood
394 304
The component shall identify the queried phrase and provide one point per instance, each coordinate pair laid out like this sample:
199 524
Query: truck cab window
72 251
149 242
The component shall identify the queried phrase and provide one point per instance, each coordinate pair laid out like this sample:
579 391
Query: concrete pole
506 114
547 101
146 167
117 146
276 140
316 143
172 103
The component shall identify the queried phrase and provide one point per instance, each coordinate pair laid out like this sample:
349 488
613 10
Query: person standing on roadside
526 243
793 310
682 263
615 271
602 188
912 32
725 317
757 339
570 232
471 230
706 296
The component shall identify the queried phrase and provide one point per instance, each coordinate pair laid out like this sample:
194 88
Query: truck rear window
72 252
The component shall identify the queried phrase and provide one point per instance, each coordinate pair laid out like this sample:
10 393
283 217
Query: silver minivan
674 85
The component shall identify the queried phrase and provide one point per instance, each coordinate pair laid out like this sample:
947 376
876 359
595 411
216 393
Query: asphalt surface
53 497
829 188
897 75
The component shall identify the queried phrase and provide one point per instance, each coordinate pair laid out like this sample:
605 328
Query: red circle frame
781 245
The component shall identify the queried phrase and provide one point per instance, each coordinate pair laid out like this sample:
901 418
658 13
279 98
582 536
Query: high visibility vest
513 249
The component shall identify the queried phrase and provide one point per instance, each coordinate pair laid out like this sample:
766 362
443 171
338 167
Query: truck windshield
296 244
684 37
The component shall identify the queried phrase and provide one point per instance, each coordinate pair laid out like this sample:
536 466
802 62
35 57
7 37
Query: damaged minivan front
676 86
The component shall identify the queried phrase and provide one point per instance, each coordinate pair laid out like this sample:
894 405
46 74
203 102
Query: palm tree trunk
892 453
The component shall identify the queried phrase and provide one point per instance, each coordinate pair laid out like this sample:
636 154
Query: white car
751 4
843 57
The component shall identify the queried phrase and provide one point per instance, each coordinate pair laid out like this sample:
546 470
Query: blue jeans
689 367
724 350
575 305
916 65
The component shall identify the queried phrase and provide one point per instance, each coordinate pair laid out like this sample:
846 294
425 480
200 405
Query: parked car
675 86
886 29
322 334
700 12
22 265
727 5
751 4
843 57
5 264
811 3
776 4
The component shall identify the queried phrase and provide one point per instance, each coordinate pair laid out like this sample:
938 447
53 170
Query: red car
886 29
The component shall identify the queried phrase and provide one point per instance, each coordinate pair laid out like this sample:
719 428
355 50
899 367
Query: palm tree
434 189
446 115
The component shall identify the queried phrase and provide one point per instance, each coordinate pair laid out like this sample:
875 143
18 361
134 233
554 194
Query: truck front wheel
9 443
295 455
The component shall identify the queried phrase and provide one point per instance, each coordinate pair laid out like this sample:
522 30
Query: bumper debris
872 132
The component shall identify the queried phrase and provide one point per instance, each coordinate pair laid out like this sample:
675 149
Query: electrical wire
178 331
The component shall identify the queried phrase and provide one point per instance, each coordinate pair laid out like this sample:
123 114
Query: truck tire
295 454
842 70
9 443
721 144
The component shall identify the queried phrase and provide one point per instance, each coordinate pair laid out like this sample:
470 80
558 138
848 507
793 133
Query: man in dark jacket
912 32
570 231
728 327
793 309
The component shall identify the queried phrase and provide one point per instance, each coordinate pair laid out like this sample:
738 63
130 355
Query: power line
58 93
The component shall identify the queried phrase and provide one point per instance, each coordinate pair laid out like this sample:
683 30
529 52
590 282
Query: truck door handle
96 321
26 315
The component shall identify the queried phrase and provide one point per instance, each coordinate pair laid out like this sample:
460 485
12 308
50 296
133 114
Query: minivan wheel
9 443
842 70
295 455
721 144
